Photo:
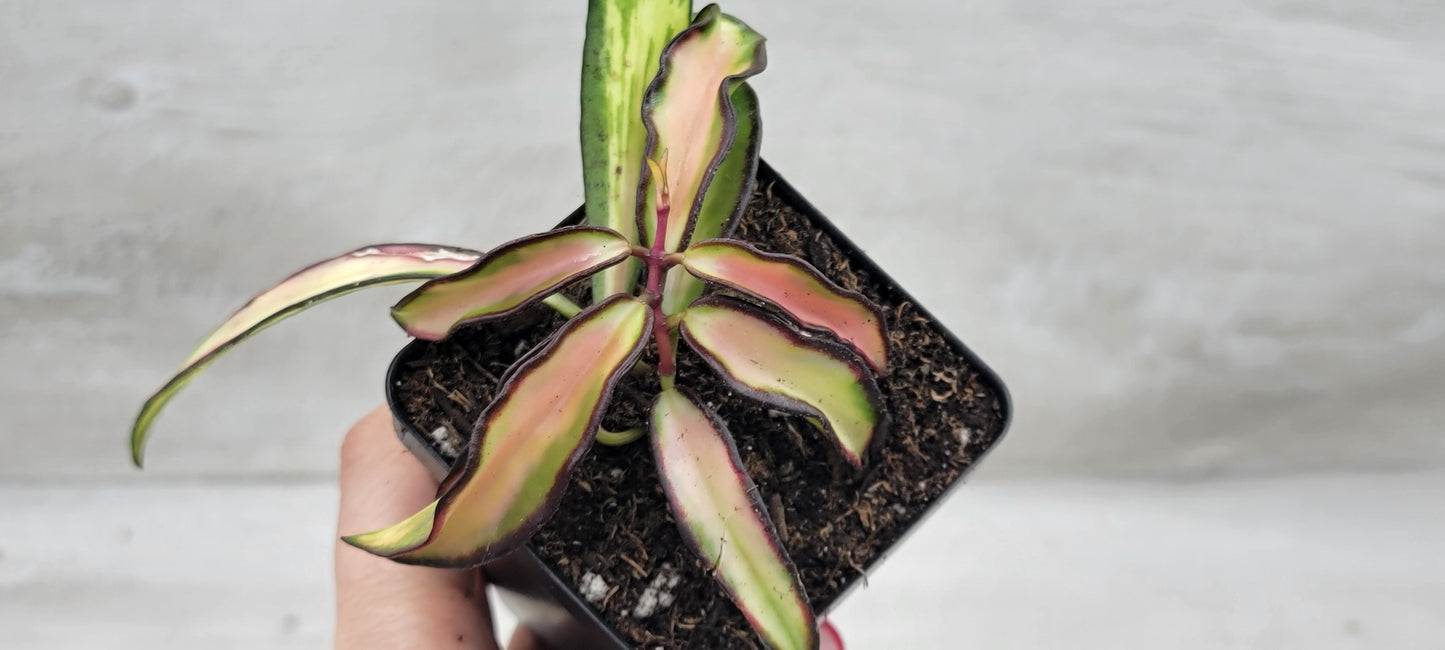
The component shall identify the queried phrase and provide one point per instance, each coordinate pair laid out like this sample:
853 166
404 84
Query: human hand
384 605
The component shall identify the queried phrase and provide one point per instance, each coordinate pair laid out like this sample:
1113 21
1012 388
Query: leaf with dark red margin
720 515
798 288
526 444
772 362
690 118
338 276
509 278
727 195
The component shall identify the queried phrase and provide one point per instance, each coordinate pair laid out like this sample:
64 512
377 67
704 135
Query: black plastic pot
541 599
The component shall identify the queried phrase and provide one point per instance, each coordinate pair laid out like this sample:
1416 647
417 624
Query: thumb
380 603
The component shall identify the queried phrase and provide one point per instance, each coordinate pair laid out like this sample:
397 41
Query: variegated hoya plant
670 136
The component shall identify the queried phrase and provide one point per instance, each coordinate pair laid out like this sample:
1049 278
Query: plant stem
656 266
666 356
618 438
562 305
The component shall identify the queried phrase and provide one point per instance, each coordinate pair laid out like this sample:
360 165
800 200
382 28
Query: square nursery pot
613 537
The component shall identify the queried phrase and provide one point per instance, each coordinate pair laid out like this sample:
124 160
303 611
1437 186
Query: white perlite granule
594 588
443 442
658 595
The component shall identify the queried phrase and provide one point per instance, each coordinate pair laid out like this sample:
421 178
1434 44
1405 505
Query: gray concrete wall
1194 237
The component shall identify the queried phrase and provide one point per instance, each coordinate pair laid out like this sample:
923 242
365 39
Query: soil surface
614 521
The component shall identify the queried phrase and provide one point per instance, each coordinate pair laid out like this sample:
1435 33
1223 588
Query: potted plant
659 328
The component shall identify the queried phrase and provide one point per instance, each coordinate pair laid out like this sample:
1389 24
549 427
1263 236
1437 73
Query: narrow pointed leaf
689 113
727 195
358 269
526 443
509 278
721 517
772 362
619 58
798 288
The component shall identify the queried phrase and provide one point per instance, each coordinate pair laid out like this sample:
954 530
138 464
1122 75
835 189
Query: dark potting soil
614 521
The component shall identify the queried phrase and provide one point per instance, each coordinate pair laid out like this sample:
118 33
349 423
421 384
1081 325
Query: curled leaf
771 362
526 443
720 515
689 113
798 288
508 278
619 58
727 195
358 269
732 184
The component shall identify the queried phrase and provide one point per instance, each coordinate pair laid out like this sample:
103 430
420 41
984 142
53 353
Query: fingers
523 639
381 604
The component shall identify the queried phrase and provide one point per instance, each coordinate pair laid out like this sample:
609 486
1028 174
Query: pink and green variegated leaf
727 195
721 517
770 361
358 269
689 114
798 288
526 443
508 278
732 184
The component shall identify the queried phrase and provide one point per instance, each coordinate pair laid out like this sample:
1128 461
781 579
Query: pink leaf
508 278
721 517
769 361
358 269
527 441
689 115
798 288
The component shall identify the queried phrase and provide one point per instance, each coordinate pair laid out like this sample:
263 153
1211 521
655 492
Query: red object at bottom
830 640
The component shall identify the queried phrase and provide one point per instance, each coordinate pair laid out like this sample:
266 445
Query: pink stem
656 266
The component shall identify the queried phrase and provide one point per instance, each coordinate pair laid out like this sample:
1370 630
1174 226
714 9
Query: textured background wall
1193 239
1197 239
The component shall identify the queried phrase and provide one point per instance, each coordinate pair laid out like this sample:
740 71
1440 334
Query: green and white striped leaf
509 278
690 117
526 444
798 288
358 269
767 360
619 58
722 518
